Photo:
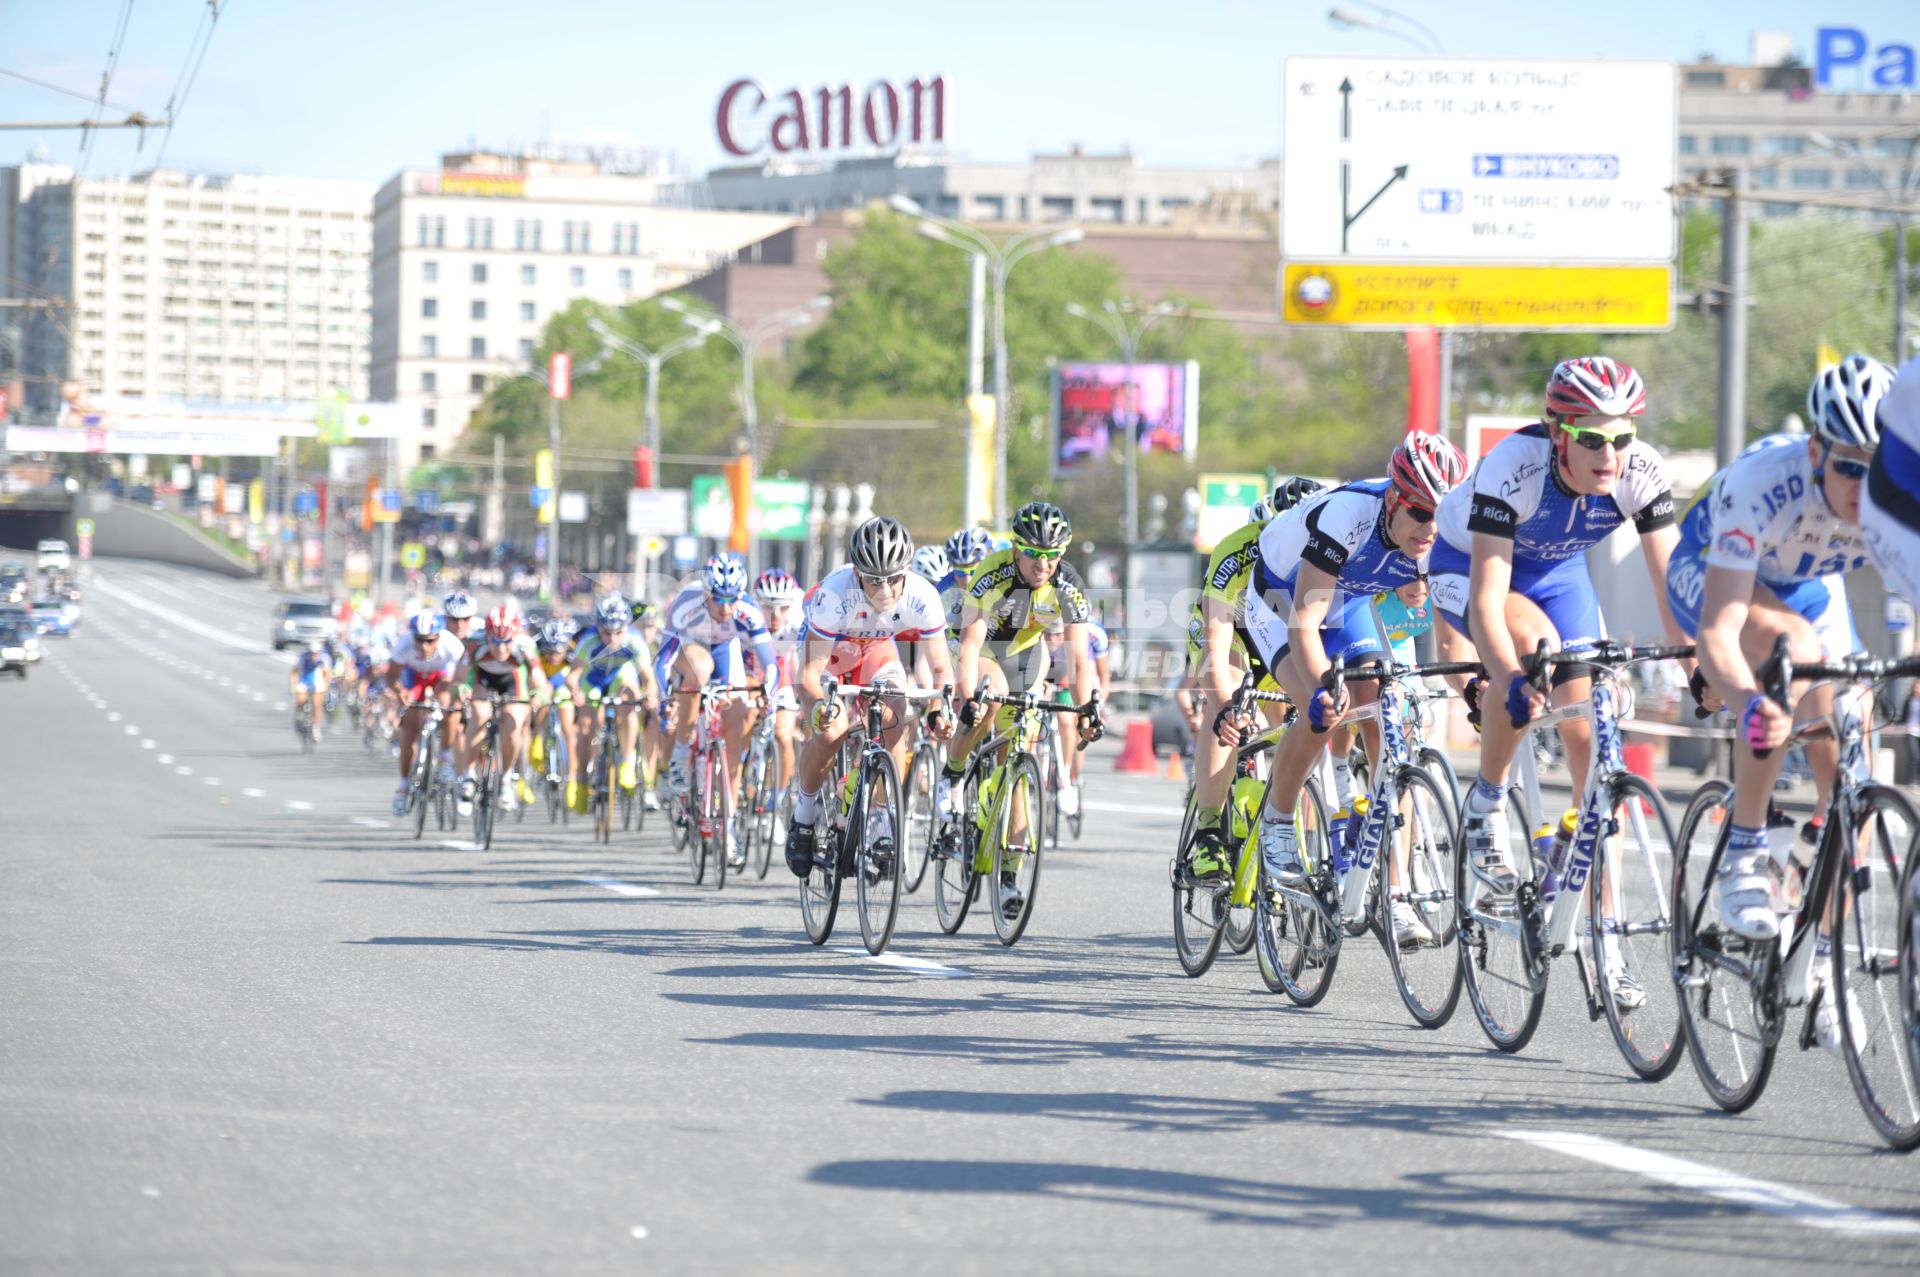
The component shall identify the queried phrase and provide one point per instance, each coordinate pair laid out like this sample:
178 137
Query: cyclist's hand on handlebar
825 711
1524 701
1091 729
1705 702
1323 712
1763 724
971 712
1230 725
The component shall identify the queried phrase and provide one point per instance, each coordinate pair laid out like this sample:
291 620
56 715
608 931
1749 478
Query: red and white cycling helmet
1425 468
503 624
1595 386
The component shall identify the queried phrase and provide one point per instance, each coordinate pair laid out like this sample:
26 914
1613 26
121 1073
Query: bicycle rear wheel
952 856
1017 848
820 889
877 859
1726 1009
1867 974
1198 908
719 816
917 816
484 798
696 812
1506 977
420 785
772 824
1437 765
1425 967
1630 920
1296 942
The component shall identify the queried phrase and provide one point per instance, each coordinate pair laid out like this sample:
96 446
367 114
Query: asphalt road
250 1025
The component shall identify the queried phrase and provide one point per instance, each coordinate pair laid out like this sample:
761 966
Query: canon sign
750 120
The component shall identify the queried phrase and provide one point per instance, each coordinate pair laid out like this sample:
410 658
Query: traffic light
643 467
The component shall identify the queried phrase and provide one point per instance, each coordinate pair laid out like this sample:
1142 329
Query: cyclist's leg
809 777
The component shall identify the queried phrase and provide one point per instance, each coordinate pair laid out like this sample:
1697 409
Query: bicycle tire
1865 928
1297 942
420 783
877 859
747 814
779 810
1436 764
1732 1028
820 889
1907 957
1505 977
1022 783
601 802
918 817
719 816
1196 940
955 879
695 808
1426 971
1649 1037
483 800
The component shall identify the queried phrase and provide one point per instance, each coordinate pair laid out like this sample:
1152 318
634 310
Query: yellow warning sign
1608 298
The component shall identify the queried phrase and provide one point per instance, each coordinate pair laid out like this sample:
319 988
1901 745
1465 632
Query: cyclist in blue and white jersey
307 681
1762 554
1510 570
613 664
1311 599
778 593
967 549
1890 508
706 625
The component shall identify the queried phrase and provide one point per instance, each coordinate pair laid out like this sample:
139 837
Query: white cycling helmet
1843 403
459 605
930 561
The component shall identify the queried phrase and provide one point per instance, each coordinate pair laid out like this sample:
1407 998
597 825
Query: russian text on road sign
658 511
1349 295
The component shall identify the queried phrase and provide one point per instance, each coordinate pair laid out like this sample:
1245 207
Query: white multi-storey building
176 285
471 259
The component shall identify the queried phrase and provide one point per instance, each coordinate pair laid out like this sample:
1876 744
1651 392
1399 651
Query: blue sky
351 88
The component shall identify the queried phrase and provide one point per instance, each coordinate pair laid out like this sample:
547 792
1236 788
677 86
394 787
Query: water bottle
1550 845
1337 839
1356 825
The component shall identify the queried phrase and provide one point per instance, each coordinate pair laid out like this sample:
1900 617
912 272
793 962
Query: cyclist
1890 508
496 664
1510 571
1099 649
1320 565
857 619
706 624
424 661
1220 652
1017 595
555 689
307 681
611 664
653 747
778 593
1762 554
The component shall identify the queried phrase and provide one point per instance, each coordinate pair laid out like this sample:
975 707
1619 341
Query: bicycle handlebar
1537 666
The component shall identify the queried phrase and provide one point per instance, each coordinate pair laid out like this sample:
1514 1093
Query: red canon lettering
884 115
723 118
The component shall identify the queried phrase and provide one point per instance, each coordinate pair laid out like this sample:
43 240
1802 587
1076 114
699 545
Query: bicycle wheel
1198 908
1437 765
1909 960
1630 918
484 798
820 889
1425 967
421 784
753 776
696 811
1296 941
719 816
1727 1009
1867 976
602 799
1017 847
1506 975
877 859
952 857
918 820
1051 781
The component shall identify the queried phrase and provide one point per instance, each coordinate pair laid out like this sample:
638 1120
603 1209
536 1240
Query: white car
55 556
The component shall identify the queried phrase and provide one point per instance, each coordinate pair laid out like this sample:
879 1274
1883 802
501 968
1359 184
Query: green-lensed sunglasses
1035 552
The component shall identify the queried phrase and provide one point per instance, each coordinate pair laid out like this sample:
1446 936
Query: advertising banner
1098 407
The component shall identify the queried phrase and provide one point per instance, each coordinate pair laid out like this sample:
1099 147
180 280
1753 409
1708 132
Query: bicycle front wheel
918 819
1630 921
1867 974
1198 907
485 795
952 857
1296 941
1422 915
420 788
1017 845
696 813
876 859
1506 977
719 817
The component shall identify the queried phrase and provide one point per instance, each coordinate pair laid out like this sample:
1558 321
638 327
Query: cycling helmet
1594 385
1289 493
1042 525
1425 468
556 634
1260 511
316 647
930 561
646 613
425 624
503 623
776 587
459 605
723 578
881 546
612 612
1843 404
968 546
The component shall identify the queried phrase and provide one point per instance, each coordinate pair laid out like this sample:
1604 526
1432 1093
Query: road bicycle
489 776
426 788
303 726
1209 911
1608 871
556 755
603 761
1054 764
859 831
998 830
1736 993
761 797
709 805
921 820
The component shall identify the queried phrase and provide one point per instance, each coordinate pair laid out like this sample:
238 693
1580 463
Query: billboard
1097 406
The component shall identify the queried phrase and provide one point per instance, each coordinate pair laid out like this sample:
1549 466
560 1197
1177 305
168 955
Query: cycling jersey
1890 500
1403 624
428 665
606 663
953 597
687 620
1231 567
506 675
865 637
1343 532
1765 515
309 668
1018 614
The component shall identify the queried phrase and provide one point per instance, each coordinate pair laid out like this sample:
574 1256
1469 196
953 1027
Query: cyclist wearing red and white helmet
1311 599
1510 569
498 662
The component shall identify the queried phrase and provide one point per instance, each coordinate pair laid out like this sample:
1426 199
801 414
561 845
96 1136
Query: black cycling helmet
1042 525
1291 493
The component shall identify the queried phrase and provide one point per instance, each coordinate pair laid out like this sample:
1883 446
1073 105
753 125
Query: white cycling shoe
1747 903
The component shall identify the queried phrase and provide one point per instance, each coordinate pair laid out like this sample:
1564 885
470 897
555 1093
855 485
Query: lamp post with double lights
1898 197
1127 326
745 340
651 360
1426 41
1000 257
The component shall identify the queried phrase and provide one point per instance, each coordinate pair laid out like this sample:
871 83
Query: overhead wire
61 88
106 82
189 73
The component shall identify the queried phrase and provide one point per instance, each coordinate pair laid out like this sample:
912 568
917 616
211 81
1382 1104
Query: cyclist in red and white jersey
423 664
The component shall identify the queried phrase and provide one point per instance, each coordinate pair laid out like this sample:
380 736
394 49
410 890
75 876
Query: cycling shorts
1563 591
310 681
1348 633
1822 602
511 684
419 684
599 683
1241 651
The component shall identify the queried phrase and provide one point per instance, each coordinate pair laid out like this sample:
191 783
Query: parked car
302 621
55 556
13 650
55 616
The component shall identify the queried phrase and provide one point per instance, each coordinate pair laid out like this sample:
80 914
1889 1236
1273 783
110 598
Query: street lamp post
744 340
1114 320
651 360
1898 199
536 373
1000 258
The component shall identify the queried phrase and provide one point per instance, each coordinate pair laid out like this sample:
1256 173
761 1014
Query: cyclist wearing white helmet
613 665
423 663
1763 552
459 609
707 624
779 594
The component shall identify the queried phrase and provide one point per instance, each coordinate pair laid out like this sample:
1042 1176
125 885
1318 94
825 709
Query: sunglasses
1419 514
895 579
1847 468
1594 441
1042 555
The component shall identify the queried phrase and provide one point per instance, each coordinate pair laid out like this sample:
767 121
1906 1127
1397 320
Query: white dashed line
148 743
918 966
115 716
619 888
183 770
1710 1181
369 822
133 731
165 760
253 793
297 805
457 845
213 780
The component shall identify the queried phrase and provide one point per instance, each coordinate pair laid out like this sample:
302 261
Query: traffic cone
1176 769
1137 753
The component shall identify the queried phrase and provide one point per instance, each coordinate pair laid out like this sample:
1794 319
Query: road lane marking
619 888
918 966
297 805
149 743
213 780
370 823
1170 810
183 770
253 793
133 731
114 717
1755 1194
188 623
165 760
457 845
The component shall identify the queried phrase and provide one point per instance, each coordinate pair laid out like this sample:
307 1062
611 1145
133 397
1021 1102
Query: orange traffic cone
1176 769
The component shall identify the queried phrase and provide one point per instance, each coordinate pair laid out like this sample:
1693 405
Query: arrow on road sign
1346 101
1348 219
